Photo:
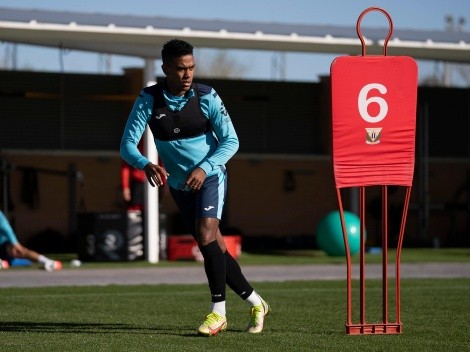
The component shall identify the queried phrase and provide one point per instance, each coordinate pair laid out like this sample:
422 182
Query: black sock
214 264
235 278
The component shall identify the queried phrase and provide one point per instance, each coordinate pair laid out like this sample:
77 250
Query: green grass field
306 316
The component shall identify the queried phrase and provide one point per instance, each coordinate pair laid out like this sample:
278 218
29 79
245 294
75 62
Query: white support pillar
151 211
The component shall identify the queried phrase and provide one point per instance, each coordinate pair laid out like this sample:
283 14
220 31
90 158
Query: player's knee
206 237
207 230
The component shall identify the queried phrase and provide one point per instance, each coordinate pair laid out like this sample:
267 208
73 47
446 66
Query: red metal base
364 328
367 329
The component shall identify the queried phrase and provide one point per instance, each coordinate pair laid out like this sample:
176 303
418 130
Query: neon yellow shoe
257 317
213 324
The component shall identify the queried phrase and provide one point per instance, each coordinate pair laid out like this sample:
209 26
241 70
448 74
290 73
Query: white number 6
363 102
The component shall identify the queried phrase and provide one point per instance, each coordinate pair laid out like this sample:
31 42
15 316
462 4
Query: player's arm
135 127
6 230
223 128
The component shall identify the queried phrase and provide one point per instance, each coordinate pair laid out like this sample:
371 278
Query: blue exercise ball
329 233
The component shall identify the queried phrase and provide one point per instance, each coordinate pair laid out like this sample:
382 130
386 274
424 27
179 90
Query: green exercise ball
329 233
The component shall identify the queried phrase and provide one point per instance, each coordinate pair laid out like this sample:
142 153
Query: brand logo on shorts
209 208
160 116
176 130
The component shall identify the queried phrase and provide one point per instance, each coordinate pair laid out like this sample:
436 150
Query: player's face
179 74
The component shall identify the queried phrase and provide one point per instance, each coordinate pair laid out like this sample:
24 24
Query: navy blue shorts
208 202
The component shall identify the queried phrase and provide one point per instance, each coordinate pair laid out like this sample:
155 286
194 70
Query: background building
281 179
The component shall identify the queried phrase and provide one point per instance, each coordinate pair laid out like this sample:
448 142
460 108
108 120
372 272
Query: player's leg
209 203
214 265
19 251
204 230
240 285
212 201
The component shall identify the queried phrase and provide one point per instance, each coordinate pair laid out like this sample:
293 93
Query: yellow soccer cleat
257 317
213 324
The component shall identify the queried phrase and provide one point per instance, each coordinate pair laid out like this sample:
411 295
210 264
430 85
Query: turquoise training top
210 151
6 232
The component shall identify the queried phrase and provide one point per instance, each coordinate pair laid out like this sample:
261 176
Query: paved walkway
195 274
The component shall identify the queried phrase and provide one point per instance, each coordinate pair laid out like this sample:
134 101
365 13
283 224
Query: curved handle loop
359 33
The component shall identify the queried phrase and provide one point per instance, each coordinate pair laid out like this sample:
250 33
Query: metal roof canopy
142 36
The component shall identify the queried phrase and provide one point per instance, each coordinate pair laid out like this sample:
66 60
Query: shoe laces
256 313
212 318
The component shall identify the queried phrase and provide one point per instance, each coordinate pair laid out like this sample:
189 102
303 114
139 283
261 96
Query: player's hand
195 180
156 175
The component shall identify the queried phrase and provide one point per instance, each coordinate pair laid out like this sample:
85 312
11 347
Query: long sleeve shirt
6 232
210 151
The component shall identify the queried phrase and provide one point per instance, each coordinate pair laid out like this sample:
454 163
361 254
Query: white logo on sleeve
209 208
160 116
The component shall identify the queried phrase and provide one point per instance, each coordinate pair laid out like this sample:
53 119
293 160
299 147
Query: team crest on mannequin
373 135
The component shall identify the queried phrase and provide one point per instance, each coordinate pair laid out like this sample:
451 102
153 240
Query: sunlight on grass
306 316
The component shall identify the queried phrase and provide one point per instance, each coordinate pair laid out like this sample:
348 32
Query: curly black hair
174 49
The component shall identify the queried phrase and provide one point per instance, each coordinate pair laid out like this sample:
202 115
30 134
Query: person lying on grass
10 249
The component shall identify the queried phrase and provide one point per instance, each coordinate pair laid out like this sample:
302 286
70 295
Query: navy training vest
167 125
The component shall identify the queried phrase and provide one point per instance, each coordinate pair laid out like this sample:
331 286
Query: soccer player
10 249
195 138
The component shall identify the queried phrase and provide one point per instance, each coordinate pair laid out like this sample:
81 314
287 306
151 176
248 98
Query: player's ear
164 69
